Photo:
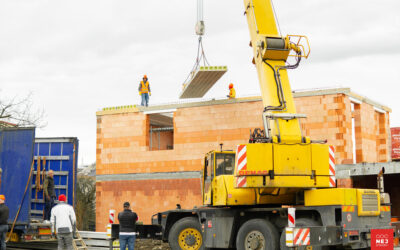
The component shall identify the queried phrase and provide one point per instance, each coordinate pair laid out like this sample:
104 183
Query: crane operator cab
217 166
219 187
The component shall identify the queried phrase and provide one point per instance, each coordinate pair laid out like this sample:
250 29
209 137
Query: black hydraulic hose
281 97
282 105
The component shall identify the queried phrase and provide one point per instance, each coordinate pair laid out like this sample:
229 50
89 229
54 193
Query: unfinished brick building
152 156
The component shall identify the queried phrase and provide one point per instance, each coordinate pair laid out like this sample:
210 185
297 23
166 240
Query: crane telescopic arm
271 52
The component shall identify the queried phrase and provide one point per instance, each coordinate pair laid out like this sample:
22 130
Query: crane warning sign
382 239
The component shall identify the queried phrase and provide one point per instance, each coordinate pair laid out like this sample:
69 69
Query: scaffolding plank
201 81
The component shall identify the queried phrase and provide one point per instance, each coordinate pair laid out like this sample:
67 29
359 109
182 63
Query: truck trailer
24 161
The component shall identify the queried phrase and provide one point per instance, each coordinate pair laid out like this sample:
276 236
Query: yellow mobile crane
278 191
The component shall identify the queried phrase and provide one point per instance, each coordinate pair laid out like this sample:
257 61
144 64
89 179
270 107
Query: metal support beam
53 157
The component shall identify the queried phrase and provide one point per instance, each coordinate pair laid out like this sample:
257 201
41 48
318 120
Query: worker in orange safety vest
232 92
144 91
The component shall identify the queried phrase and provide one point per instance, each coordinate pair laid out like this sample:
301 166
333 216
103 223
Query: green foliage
85 207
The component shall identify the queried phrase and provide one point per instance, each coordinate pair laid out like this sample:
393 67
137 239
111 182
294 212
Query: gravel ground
151 245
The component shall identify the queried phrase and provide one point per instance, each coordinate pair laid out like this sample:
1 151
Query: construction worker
232 92
144 91
49 194
63 222
127 226
4 212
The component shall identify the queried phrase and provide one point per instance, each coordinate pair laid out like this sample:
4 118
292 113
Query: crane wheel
257 234
186 234
302 222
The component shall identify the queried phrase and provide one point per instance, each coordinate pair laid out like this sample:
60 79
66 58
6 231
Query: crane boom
271 52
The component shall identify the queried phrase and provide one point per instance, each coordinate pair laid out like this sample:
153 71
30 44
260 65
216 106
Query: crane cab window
225 163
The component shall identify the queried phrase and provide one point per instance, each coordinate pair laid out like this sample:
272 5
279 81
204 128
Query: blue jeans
145 99
130 239
3 231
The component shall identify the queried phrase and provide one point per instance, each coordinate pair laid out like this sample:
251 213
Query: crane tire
257 234
186 234
302 222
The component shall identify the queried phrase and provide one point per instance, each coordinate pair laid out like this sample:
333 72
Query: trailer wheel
186 234
257 234
303 222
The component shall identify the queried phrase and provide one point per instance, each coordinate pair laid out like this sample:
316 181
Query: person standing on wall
232 92
4 213
144 91
127 226
63 222
49 194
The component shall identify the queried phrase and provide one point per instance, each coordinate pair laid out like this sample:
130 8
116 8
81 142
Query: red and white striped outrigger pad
332 170
241 164
241 158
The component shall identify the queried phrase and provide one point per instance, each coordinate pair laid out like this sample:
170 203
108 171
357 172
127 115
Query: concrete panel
201 81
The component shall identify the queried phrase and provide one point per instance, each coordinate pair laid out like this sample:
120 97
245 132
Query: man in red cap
63 222
4 212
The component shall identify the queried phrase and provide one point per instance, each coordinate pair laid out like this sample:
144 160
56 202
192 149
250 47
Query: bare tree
20 112
85 207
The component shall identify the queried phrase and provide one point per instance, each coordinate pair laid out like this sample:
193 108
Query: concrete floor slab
201 81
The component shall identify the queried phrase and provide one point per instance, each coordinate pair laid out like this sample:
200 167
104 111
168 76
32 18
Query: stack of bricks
123 147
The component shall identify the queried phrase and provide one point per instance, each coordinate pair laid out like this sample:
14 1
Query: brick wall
147 197
123 144
329 118
372 134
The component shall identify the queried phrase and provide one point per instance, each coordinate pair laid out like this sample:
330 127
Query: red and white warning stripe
301 236
241 158
291 217
241 181
111 217
332 170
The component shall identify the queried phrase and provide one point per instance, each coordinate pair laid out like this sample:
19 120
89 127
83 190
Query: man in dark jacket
49 194
3 222
127 225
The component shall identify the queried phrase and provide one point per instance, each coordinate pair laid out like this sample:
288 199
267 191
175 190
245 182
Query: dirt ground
151 245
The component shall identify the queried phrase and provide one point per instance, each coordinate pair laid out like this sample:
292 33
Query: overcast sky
77 57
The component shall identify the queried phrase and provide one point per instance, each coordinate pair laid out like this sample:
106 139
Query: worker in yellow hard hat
232 92
144 91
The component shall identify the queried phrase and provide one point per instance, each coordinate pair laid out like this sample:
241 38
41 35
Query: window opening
161 131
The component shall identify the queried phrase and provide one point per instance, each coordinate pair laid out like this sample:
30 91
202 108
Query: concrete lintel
369 101
149 176
349 170
319 92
